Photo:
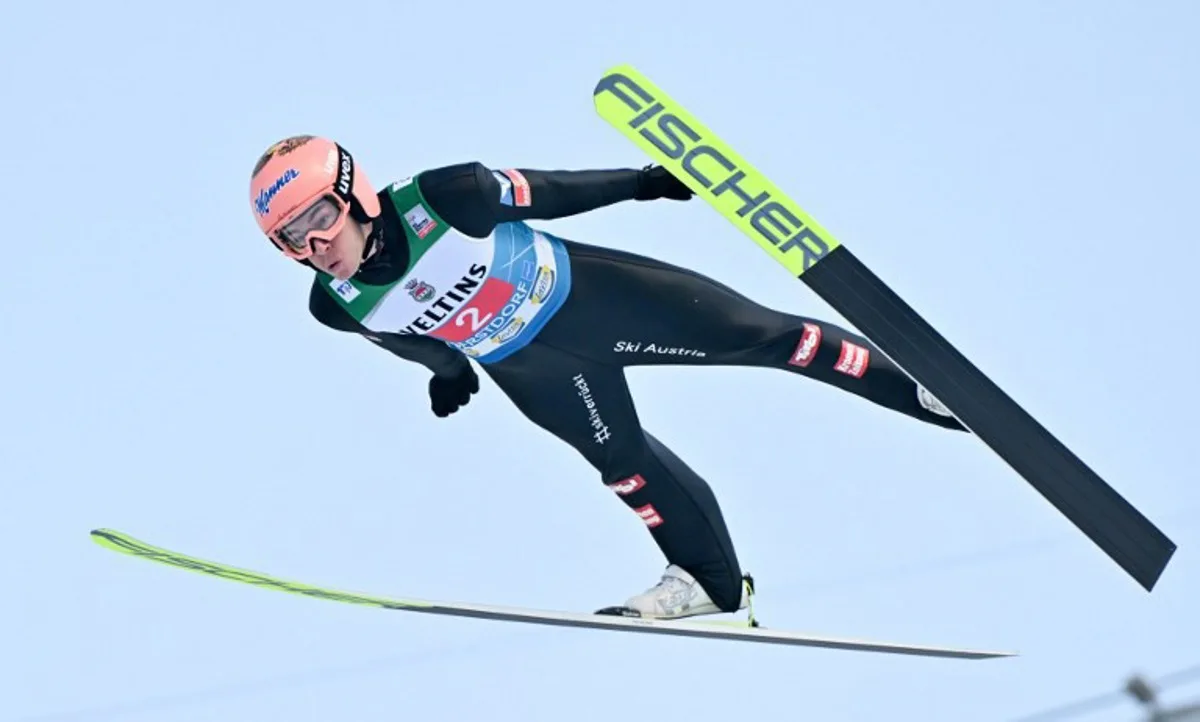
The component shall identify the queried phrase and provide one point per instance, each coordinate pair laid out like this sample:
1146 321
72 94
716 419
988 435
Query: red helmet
303 187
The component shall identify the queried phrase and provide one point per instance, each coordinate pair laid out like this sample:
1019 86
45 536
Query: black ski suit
624 310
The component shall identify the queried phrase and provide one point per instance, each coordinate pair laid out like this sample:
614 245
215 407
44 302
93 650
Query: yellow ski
706 164
125 544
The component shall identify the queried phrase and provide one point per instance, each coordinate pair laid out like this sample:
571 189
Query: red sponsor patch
806 350
629 485
522 196
477 313
854 360
649 515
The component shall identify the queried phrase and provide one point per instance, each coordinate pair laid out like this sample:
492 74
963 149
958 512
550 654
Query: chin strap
374 241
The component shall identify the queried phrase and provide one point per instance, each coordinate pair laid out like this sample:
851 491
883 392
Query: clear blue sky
1025 174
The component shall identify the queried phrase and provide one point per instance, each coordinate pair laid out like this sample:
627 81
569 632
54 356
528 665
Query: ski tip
115 540
104 537
620 70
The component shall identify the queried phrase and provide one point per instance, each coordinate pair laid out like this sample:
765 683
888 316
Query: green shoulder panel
356 297
422 225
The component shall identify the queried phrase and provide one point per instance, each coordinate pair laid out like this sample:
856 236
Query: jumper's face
340 256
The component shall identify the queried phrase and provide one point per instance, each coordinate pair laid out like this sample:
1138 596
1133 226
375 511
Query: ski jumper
554 323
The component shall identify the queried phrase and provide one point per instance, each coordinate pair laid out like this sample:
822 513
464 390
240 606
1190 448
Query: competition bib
487 297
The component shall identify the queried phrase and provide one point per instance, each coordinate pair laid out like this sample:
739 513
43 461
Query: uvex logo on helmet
345 173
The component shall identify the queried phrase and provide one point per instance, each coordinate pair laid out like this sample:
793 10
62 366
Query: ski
673 137
125 544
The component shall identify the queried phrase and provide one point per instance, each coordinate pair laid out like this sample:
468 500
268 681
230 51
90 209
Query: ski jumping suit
554 323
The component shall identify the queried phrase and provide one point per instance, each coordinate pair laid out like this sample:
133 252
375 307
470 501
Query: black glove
656 182
448 394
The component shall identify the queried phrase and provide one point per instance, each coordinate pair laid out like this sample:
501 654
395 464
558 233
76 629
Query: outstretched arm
474 198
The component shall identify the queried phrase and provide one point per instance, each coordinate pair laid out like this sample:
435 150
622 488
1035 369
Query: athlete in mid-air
441 268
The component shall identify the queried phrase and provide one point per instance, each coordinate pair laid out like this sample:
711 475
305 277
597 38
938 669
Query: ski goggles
321 217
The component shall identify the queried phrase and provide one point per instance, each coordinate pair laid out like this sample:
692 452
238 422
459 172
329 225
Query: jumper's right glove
655 181
449 394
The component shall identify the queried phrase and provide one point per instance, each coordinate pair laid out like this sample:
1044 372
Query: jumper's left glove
449 394
656 182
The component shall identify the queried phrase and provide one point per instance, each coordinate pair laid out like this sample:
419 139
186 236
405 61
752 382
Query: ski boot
676 596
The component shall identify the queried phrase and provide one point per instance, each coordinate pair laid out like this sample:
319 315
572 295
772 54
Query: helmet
303 187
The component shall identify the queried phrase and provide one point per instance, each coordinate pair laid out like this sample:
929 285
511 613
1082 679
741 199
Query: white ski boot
931 403
675 596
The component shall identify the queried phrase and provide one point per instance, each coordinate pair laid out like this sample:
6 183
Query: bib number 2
478 313
476 322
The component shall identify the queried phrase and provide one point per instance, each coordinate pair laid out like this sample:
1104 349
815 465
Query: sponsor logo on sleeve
854 360
649 515
506 194
628 485
806 350
522 195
